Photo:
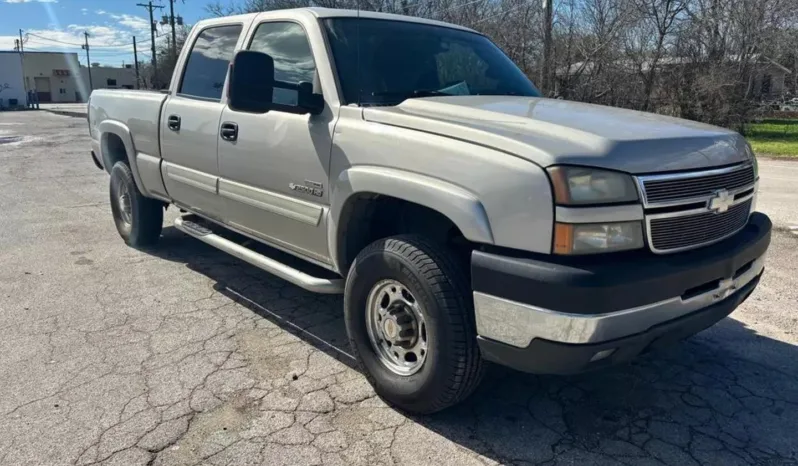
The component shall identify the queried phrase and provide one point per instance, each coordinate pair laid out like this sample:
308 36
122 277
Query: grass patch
774 137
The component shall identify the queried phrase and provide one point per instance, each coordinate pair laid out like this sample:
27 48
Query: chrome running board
286 272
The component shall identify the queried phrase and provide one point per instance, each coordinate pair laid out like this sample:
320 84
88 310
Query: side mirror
307 100
251 82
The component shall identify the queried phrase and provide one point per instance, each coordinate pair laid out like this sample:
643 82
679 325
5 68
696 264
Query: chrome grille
670 234
674 188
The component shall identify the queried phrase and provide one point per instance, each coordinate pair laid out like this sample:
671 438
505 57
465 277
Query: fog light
602 355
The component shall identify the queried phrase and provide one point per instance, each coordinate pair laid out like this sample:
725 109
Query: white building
12 85
59 76
54 76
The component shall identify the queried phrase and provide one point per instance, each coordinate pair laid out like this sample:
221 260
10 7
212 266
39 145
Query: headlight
752 157
578 186
590 238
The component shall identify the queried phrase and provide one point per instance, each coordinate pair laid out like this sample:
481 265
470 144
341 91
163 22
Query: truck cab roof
322 13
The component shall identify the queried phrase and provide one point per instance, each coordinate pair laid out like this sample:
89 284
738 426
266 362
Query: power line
80 45
41 46
116 54
53 40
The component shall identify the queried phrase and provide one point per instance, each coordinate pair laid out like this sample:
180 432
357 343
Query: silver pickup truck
411 166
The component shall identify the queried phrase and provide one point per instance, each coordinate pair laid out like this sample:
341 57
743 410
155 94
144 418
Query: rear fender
109 127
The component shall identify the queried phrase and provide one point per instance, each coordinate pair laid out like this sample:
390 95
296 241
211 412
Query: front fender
457 204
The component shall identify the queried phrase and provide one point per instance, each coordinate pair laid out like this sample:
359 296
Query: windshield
401 60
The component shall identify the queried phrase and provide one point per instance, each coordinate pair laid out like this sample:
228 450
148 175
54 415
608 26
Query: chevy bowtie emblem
721 202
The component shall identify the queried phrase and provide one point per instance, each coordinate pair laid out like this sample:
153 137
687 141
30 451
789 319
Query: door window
288 45
208 62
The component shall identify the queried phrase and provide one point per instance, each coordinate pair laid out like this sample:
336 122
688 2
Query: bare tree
699 59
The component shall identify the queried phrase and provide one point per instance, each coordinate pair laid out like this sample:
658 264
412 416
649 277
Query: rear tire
432 281
138 219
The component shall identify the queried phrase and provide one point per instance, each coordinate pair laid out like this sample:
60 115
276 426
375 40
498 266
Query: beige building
55 76
109 77
59 77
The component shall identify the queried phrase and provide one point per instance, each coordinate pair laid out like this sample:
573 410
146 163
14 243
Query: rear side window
208 62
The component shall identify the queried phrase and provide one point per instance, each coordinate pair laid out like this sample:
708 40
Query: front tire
410 320
138 219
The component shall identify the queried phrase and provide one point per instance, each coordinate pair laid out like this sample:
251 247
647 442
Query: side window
288 45
207 64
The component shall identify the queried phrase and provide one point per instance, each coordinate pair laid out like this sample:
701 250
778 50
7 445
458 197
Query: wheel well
367 217
113 150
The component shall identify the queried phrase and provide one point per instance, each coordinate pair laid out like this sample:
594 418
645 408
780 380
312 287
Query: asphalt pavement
184 355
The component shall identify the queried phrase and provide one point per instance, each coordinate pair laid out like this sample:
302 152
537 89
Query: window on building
208 62
288 45
62 91
110 82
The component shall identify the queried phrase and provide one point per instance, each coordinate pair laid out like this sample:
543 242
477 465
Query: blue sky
53 24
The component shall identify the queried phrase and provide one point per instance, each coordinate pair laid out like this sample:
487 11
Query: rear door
190 121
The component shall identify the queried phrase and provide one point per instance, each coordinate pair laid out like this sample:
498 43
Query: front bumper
563 315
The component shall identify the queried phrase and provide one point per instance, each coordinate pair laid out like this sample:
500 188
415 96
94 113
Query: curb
66 113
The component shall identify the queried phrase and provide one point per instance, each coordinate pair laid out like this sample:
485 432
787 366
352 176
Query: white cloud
136 23
110 38
31 1
101 12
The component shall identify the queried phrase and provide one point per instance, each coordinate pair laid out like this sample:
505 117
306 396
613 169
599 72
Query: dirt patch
212 432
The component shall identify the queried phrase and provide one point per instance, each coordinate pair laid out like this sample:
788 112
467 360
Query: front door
274 175
190 122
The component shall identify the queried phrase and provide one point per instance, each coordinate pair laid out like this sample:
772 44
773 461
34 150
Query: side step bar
290 274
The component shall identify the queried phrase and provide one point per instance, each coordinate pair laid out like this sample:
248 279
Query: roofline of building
38 51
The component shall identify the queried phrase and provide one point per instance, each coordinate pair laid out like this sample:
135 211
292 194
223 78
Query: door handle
229 131
173 122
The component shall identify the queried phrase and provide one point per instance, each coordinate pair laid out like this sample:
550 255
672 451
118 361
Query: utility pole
136 62
150 7
172 23
22 62
172 20
546 78
88 60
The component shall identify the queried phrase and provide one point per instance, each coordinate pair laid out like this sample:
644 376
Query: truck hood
549 132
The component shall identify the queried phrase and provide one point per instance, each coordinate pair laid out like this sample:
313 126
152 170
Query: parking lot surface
184 355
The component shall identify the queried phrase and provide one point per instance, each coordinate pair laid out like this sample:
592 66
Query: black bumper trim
599 285
96 161
548 357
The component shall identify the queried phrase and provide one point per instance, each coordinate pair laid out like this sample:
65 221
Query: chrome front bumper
518 324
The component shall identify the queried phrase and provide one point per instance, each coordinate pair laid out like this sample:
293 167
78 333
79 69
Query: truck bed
140 111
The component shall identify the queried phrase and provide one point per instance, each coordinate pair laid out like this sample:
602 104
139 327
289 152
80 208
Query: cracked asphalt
184 355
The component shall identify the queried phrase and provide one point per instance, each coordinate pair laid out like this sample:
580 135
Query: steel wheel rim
396 327
125 207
